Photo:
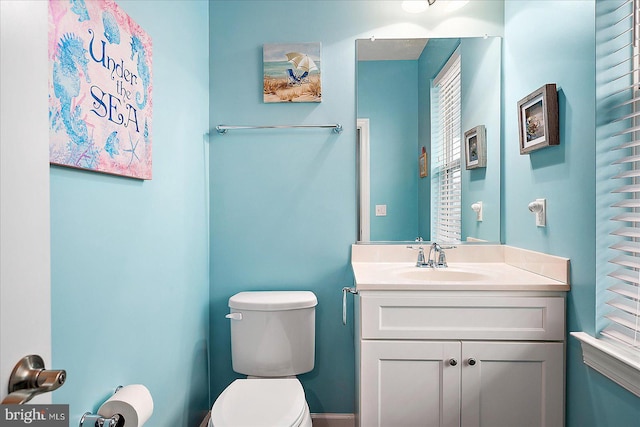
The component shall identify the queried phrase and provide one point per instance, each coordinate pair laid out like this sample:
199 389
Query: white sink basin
471 267
442 275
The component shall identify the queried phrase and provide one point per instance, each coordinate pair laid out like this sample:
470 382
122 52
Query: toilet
272 340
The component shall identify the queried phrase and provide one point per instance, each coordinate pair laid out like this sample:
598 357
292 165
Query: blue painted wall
283 213
481 105
388 97
562 52
130 282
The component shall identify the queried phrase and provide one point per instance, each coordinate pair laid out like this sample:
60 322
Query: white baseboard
333 420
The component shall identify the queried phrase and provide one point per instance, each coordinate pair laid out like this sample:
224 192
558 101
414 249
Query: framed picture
475 147
423 165
292 72
100 90
538 119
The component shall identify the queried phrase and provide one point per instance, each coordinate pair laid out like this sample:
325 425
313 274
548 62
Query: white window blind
445 154
619 108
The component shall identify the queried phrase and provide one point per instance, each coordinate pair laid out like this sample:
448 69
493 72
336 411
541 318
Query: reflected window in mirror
446 194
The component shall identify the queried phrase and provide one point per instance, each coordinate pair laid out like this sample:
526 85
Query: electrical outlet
539 208
477 208
381 210
541 217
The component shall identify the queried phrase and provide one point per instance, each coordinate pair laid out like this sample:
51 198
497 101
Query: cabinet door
512 384
409 383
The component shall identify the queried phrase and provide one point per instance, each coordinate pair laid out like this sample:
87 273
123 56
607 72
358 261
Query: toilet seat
260 402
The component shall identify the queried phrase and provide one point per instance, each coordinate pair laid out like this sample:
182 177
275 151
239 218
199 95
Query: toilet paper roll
133 402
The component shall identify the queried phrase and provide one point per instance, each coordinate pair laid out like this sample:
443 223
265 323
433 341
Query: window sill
613 361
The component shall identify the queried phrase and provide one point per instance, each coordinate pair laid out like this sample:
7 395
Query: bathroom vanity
479 343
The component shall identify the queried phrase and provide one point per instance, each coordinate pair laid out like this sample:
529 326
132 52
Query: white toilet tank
273 332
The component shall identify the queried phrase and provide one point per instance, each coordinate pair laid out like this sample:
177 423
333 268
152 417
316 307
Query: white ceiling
389 49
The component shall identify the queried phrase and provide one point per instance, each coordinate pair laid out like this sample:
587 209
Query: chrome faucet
439 257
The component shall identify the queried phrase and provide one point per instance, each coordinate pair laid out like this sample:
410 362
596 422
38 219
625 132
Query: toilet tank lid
273 300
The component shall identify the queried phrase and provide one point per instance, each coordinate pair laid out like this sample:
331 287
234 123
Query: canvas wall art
291 72
100 89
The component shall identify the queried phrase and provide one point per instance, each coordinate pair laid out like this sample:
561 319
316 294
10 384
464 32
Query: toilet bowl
261 402
272 340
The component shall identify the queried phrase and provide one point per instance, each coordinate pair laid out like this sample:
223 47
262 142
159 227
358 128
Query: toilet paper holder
97 420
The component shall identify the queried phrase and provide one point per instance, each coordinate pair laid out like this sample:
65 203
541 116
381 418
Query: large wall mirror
402 115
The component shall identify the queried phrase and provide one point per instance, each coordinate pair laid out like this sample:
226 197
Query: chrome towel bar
223 129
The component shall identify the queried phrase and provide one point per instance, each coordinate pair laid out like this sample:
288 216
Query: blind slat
627 232
629 276
622 304
628 322
627 291
627 261
633 188
627 217
627 203
627 174
627 246
627 159
619 336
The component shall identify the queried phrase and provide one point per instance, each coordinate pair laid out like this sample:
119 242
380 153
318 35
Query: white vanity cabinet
460 358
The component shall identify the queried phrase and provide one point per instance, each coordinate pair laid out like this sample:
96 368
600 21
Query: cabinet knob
453 362
471 361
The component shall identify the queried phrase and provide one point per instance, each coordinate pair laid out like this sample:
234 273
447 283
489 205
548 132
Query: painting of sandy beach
292 72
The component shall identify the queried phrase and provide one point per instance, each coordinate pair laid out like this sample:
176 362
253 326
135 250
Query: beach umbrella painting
292 72
301 61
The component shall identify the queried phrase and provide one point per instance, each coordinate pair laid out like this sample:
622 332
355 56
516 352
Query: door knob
453 362
29 378
472 361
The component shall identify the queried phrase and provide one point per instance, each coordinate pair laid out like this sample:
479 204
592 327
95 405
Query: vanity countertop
471 268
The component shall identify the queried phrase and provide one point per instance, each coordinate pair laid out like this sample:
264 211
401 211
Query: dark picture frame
475 147
423 165
538 119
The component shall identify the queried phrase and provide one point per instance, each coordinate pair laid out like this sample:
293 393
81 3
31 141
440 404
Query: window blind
619 92
445 154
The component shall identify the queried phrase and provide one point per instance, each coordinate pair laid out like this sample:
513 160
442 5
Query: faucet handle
442 260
